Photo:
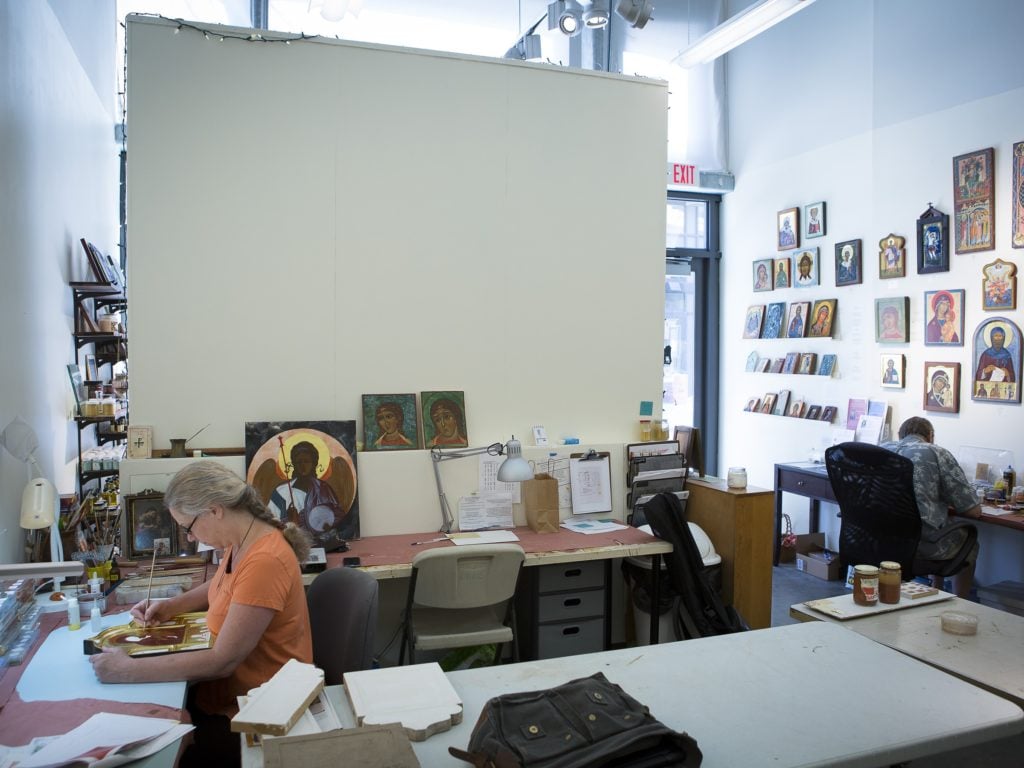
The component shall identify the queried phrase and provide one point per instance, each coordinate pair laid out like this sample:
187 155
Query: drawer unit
563 609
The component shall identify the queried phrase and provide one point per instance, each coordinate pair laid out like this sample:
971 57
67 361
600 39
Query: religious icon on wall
891 319
788 229
828 413
796 320
997 358
942 387
974 201
892 257
944 318
390 423
932 242
444 419
782 403
828 364
305 471
848 263
808 362
751 326
999 287
893 370
814 220
1017 205
781 274
822 318
773 317
763 280
805 263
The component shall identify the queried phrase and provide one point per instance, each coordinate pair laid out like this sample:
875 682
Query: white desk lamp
39 509
515 469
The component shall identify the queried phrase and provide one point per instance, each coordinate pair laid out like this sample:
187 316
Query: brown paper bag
540 501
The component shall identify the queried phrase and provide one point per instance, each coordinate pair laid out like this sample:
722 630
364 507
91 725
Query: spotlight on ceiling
567 15
636 12
596 16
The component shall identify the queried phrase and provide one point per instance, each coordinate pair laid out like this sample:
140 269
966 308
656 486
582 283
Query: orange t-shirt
268 577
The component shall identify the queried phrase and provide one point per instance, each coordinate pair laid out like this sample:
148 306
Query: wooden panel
276 705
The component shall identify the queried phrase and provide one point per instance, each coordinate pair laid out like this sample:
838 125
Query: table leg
777 539
814 516
655 590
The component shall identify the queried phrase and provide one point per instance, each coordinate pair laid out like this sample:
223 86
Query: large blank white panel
316 221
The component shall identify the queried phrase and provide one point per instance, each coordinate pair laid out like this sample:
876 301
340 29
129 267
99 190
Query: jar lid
866 570
890 565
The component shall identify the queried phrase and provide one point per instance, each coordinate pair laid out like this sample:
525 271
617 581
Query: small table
804 478
990 659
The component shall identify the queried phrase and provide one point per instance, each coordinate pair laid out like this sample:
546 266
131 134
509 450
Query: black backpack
699 610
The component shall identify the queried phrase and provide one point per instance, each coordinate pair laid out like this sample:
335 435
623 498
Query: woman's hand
112 666
146 613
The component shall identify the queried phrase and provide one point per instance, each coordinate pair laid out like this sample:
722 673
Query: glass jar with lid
865 585
889 579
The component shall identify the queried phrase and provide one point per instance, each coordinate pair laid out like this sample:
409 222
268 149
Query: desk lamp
515 469
39 509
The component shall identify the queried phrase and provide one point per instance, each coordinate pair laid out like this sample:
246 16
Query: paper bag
540 501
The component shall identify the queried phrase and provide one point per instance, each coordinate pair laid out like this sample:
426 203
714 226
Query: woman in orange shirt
255 603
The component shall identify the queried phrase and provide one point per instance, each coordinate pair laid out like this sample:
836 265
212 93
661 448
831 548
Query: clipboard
590 480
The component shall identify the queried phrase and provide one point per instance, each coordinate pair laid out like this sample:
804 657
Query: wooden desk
804 478
739 523
1014 520
990 659
390 557
738 696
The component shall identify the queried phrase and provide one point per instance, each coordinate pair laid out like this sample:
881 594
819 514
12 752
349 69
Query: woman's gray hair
202 485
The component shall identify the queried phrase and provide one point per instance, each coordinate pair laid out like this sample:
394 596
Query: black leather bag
585 723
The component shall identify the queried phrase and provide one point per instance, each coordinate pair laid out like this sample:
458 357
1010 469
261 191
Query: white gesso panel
313 222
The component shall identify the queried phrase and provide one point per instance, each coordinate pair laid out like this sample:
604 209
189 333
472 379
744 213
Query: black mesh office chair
880 519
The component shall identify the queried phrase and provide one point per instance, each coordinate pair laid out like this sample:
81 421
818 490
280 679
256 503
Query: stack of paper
580 525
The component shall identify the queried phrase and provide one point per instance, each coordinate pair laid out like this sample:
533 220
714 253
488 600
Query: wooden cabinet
563 609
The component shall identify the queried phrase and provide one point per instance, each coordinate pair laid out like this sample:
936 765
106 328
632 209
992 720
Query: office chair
343 618
880 519
462 596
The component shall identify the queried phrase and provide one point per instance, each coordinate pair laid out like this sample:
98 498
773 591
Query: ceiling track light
597 15
567 16
636 12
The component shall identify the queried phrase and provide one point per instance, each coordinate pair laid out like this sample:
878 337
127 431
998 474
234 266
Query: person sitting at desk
939 483
255 603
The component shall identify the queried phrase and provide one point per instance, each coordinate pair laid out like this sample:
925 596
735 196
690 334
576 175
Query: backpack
699 609
585 723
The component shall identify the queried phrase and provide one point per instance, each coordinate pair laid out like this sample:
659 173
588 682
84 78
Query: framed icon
932 242
788 228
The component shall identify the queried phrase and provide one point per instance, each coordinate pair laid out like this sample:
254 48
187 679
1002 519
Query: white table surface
800 695
992 658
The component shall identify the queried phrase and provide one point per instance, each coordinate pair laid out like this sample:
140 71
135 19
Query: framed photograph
822 318
781 403
777 365
808 361
763 280
305 472
792 358
788 228
774 316
893 369
752 325
974 201
768 403
814 413
814 220
805 265
828 364
781 275
91 371
1017 231
752 359
444 419
998 287
944 318
942 387
796 320
828 413
997 360
390 423
752 404
891 320
149 527
796 409
892 257
932 242
848 263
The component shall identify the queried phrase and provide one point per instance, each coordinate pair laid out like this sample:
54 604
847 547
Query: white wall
864 104
58 183
313 222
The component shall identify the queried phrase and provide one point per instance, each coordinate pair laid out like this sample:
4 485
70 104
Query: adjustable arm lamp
515 469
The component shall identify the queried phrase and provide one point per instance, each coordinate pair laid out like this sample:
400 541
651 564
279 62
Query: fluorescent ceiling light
737 30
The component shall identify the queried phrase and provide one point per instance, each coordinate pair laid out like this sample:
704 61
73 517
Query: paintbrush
149 589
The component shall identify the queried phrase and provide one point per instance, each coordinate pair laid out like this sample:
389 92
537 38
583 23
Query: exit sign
681 173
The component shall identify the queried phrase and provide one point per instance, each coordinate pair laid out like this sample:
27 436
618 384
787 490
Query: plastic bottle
1010 478
74 617
95 620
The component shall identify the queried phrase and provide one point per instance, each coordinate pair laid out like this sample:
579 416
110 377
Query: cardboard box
804 543
813 558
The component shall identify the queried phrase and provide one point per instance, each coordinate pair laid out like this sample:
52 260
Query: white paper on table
485 510
659 474
488 480
482 537
592 526
869 429
103 730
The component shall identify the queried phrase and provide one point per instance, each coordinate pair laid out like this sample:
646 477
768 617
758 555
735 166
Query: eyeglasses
190 526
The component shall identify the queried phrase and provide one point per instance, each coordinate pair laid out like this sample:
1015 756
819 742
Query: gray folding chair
462 596
343 617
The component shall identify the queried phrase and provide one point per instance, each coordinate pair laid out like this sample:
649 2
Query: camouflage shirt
939 482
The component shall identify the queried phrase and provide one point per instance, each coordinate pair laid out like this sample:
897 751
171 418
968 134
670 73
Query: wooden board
842 607
419 697
276 705
374 747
